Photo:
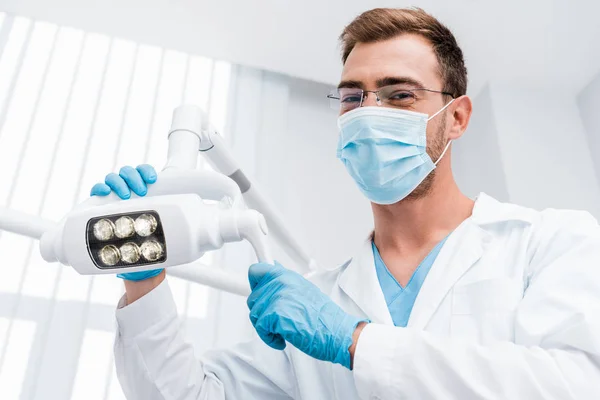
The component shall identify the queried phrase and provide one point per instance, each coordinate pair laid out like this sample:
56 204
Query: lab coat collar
488 210
461 251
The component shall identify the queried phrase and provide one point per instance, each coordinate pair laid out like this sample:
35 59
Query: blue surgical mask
384 150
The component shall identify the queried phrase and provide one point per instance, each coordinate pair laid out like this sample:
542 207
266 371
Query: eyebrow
351 85
388 80
399 80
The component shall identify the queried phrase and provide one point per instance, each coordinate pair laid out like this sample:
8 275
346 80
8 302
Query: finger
256 272
263 295
147 172
118 185
272 340
100 189
259 274
134 180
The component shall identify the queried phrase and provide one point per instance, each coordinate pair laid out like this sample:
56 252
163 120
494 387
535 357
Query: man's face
405 59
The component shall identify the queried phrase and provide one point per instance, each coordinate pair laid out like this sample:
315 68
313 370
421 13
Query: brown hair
386 23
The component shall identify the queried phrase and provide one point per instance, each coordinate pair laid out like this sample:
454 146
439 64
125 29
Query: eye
352 98
402 95
350 95
401 98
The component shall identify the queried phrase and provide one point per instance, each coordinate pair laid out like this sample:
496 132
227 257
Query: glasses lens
334 99
397 96
350 98
345 99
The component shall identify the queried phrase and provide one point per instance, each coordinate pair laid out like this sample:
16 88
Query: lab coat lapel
359 281
461 251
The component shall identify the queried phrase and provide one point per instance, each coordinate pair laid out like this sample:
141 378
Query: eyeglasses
398 96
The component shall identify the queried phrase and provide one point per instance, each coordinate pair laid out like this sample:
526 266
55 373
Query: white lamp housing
187 228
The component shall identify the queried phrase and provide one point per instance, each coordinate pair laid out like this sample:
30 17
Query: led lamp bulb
145 225
151 250
130 253
109 255
104 230
124 227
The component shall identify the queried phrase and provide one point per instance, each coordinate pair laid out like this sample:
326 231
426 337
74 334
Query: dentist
451 298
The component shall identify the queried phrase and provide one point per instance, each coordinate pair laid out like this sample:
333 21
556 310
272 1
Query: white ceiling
530 43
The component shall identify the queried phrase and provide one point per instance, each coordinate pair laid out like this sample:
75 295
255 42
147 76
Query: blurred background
87 86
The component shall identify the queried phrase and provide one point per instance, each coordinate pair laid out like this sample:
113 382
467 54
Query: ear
461 111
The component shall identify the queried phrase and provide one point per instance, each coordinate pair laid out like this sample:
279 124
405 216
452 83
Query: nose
370 99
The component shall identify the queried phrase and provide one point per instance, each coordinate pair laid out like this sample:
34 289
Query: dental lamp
172 225
220 158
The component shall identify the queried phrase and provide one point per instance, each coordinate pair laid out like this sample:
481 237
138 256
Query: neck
412 224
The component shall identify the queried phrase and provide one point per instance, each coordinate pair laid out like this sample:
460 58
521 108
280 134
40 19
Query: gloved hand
284 306
129 179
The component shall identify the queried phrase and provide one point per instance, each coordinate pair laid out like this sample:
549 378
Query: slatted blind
75 106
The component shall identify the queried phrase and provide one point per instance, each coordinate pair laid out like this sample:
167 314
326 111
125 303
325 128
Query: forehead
407 55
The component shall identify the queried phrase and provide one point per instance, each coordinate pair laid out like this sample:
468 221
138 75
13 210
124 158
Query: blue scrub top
400 301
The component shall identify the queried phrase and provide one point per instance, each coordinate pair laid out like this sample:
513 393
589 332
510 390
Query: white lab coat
509 310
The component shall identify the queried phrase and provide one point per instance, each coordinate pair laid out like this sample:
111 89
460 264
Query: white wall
476 158
528 145
589 107
544 148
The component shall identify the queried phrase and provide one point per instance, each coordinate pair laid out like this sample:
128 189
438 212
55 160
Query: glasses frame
364 93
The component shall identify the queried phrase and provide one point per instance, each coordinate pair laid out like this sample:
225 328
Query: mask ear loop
441 109
443 152
449 141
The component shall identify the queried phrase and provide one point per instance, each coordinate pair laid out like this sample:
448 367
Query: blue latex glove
284 306
129 179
